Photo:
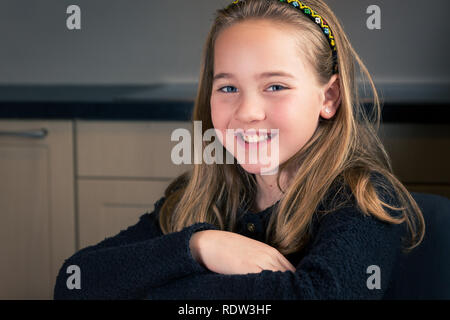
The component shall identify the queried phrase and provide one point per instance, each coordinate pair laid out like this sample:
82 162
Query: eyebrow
260 76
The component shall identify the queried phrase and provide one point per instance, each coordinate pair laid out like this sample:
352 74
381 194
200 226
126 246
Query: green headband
315 18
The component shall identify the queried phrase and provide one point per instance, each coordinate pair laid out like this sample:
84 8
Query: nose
250 108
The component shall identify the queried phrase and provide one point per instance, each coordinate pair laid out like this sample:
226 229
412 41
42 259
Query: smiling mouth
255 138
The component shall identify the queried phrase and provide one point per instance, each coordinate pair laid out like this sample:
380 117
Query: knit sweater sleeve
126 265
338 265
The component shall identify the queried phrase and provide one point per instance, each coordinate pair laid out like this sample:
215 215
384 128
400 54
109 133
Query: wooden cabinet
105 207
123 169
420 155
36 206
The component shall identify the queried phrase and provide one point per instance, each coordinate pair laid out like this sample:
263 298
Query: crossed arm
142 263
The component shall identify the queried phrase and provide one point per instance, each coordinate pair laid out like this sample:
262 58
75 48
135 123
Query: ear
332 98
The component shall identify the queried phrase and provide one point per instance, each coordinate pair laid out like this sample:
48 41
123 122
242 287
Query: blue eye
226 87
277 85
280 87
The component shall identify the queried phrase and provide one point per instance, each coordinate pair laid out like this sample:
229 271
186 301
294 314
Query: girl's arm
339 265
127 265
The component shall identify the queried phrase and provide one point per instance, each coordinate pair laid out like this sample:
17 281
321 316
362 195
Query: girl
327 225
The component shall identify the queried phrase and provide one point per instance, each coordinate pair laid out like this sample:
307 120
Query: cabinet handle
37 134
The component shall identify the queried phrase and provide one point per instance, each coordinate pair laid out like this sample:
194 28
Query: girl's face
262 82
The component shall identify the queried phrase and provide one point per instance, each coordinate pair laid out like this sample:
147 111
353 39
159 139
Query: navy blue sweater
142 263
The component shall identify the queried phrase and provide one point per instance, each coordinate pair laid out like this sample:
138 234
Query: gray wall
147 41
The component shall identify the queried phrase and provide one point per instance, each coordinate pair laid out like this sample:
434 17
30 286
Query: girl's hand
231 253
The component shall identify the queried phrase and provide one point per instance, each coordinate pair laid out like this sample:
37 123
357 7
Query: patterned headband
315 18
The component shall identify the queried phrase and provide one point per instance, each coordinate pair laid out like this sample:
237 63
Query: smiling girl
333 209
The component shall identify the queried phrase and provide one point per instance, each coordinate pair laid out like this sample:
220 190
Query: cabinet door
128 149
36 206
108 206
420 153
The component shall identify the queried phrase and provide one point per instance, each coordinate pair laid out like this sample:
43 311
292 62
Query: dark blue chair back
424 273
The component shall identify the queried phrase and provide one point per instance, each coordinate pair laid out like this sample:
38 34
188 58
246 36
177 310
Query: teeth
254 138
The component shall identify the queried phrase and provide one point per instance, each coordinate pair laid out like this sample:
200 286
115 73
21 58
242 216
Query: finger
282 260
264 266
279 261
276 265
290 266
272 265
285 262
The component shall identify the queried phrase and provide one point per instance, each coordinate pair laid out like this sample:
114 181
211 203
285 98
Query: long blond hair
343 151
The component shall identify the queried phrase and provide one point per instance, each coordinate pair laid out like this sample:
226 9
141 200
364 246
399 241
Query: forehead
256 45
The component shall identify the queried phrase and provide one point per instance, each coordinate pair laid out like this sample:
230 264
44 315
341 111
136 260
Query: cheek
220 117
219 113
290 114
298 112
297 120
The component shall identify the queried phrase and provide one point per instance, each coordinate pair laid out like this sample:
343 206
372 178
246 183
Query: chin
260 169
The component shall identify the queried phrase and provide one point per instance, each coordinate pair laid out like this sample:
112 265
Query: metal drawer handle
38 133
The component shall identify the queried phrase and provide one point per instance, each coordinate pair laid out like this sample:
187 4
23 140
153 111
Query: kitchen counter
174 102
